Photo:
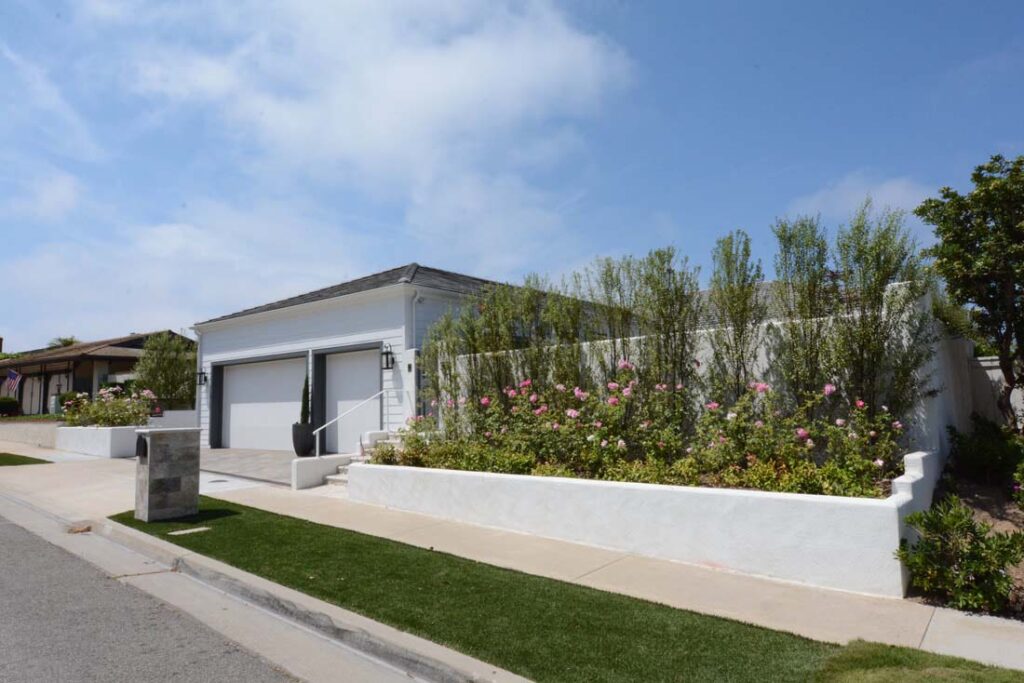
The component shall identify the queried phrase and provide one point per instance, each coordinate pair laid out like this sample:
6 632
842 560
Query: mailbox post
166 474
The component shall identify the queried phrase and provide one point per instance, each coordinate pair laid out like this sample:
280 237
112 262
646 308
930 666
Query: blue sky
166 163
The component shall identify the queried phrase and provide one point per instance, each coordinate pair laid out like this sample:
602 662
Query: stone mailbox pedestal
167 474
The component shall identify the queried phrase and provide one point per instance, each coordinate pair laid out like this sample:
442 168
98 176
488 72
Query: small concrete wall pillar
167 474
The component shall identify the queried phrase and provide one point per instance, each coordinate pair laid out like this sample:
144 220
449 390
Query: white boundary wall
104 442
827 541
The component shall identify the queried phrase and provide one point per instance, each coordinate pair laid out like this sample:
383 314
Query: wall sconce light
201 378
387 358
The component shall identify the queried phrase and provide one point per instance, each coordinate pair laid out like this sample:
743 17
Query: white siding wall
379 316
365 318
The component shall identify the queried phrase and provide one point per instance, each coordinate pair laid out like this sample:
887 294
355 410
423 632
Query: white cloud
439 113
49 197
31 101
443 106
840 199
216 258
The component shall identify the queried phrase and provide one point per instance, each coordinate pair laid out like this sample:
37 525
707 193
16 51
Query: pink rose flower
613 386
713 405
802 434
560 387
625 365
534 398
840 422
572 413
526 383
829 389
628 391
621 445
613 401
859 403
759 423
897 425
485 401
879 463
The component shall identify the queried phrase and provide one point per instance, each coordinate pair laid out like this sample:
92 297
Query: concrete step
336 479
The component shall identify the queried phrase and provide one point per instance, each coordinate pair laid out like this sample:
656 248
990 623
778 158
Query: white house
357 342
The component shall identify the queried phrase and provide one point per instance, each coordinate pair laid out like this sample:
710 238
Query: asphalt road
61 619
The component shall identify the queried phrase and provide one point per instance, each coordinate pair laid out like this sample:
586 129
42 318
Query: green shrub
988 455
959 559
9 406
111 408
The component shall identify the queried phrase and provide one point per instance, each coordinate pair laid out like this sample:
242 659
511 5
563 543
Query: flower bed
626 432
112 407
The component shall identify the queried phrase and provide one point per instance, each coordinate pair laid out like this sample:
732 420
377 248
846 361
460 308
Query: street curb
412 654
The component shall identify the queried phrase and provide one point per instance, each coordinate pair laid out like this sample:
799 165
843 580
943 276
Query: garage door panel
261 401
351 378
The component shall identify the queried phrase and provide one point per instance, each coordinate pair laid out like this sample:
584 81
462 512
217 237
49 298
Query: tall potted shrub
302 431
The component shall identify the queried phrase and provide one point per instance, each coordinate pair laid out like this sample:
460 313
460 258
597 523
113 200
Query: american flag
13 380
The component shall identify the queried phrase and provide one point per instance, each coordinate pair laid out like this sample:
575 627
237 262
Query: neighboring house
82 367
357 342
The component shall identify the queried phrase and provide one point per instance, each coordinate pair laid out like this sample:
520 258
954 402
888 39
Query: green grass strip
540 628
11 459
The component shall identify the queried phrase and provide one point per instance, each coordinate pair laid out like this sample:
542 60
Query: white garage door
352 378
261 403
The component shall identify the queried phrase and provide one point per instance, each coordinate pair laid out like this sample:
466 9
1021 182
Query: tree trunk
1005 400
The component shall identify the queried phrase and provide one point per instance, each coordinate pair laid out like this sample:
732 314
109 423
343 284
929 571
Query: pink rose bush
111 407
631 431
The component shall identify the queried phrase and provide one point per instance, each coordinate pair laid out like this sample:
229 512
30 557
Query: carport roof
413 274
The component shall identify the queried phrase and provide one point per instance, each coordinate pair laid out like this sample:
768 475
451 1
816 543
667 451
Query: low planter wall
105 442
310 472
828 541
42 434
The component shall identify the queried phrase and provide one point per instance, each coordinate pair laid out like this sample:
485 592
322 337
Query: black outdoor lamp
201 378
387 358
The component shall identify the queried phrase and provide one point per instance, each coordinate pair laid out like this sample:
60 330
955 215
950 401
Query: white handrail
316 432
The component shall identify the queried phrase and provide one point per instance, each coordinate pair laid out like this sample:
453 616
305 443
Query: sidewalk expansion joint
603 566
155 571
924 634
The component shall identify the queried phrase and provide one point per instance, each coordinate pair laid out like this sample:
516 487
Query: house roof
128 346
413 274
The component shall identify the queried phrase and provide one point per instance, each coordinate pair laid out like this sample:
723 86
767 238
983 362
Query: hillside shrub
990 454
9 406
959 559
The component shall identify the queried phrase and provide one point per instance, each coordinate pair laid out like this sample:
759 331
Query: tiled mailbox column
167 474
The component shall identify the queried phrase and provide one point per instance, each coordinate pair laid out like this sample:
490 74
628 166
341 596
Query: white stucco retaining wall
828 541
310 472
105 442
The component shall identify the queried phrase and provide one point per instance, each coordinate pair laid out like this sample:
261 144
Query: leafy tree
60 342
980 255
805 296
167 368
882 337
738 305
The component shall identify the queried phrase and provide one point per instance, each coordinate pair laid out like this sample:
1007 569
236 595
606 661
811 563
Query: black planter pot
302 439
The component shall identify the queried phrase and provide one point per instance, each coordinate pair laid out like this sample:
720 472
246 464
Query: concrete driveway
274 467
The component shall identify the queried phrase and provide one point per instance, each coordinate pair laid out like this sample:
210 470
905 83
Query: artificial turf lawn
540 628
8 459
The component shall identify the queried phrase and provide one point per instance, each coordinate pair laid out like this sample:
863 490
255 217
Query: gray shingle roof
128 346
413 274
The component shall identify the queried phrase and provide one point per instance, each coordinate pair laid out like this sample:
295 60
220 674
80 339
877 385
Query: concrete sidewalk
102 488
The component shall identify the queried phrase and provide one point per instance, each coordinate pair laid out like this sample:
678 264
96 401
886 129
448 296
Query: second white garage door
352 378
261 403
